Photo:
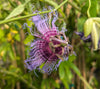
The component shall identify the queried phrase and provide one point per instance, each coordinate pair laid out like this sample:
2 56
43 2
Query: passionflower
91 32
50 46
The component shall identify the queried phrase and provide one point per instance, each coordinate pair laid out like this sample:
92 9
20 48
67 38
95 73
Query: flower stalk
30 15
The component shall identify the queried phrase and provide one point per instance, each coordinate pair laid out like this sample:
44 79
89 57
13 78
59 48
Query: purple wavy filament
49 49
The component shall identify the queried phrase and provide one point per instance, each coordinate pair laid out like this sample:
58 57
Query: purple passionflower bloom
50 48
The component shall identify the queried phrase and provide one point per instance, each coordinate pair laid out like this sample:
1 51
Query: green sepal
88 26
95 37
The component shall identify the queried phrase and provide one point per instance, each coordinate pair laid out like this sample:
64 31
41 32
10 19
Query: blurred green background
14 46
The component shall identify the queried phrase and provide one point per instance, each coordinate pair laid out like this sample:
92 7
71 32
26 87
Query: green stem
17 76
22 17
88 13
61 4
57 7
73 5
30 15
89 87
51 3
55 4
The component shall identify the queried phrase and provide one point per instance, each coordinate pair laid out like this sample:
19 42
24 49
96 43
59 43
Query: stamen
59 57
61 41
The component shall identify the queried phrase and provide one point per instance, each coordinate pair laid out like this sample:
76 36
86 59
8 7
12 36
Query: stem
30 15
61 4
14 63
54 4
22 17
85 82
22 50
18 77
51 3
89 9
73 5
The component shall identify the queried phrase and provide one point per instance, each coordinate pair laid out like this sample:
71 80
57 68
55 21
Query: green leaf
68 73
18 10
17 37
76 70
88 26
11 54
54 83
41 66
43 84
28 39
85 7
65 73
93 8
66 84
49 83
80 24
61 71
1 33
72 58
